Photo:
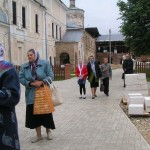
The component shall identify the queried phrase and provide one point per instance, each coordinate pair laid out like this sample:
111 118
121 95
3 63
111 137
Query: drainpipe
110 46
9 34
45 21
46 49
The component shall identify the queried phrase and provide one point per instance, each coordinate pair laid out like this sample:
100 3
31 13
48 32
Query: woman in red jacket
81 73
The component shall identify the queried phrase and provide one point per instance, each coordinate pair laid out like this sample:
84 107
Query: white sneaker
80 97
36 139
49 135
84 97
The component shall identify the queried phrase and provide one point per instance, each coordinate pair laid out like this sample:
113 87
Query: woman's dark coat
9 98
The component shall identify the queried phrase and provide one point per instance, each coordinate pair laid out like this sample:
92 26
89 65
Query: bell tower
72 3
75 16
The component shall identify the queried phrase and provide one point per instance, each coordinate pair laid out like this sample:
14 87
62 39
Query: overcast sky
102 14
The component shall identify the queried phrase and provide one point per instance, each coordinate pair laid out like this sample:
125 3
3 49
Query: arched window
64 58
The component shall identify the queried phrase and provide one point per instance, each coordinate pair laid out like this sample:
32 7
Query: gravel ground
142 123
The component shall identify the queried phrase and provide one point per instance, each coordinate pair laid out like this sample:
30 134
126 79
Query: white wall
23 39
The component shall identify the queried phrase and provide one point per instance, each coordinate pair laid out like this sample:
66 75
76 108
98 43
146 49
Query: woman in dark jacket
94 73
9 98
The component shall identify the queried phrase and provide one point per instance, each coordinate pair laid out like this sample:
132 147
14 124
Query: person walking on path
106 75
94 73
9 98
81 73
123 58
32 75
127 66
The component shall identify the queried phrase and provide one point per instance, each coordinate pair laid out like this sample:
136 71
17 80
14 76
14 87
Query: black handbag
81 81
122 75
102 88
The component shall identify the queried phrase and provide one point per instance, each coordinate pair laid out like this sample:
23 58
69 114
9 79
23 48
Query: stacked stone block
136 89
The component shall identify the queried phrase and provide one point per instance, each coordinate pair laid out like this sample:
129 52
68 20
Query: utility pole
110 46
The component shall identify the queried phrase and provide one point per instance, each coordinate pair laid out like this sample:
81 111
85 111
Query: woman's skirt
94 83
34 121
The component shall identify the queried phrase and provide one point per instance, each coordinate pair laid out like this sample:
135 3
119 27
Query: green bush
148 79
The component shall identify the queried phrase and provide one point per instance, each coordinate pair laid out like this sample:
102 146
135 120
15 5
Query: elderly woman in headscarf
9 98
32 75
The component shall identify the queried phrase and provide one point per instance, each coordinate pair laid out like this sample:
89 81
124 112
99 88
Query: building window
36 23
53 30
23 17
54 61
50 60
49 28
60 33
56 32
64 58
14 12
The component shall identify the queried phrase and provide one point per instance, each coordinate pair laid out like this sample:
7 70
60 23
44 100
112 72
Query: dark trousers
124 81
82 86
106 85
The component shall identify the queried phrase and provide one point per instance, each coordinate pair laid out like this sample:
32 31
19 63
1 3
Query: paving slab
86 124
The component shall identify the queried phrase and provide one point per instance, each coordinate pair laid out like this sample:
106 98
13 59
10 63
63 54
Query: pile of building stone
136 94
142 123
139 116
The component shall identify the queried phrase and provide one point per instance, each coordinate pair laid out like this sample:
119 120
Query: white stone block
144 86
136 87
131 75
131 94
142 82
136 100
131 82
147 101
131 79
135 79
134 94
133 87
136 109
142 76
126 95
147 108
143 92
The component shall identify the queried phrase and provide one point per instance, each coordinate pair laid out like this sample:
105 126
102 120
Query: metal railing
143 67
58 70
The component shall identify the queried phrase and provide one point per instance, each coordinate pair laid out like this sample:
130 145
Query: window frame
14 12
23 17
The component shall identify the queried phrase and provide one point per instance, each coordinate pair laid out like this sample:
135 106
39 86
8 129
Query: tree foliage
135 15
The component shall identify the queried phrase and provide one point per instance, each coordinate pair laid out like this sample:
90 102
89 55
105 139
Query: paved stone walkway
98 124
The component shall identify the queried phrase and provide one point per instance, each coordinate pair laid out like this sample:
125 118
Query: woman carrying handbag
94 74
81 73
32 75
